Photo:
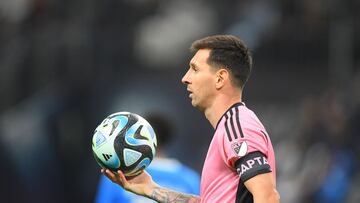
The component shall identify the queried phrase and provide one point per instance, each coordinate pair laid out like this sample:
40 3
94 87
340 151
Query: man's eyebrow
193 65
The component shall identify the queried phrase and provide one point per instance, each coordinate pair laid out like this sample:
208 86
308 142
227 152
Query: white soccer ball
124 141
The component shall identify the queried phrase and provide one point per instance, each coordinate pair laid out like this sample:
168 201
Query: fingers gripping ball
124 141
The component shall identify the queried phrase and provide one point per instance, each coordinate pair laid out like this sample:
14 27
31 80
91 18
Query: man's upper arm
257 176
262 187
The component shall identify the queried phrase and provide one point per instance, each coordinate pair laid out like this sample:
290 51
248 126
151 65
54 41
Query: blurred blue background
65 65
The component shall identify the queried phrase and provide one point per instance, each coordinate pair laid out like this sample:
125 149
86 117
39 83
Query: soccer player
240 163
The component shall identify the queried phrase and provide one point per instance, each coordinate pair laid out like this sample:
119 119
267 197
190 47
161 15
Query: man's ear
222 76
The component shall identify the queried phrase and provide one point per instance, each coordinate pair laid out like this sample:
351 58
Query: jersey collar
233 106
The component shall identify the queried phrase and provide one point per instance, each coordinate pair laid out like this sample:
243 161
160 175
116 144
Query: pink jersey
239 150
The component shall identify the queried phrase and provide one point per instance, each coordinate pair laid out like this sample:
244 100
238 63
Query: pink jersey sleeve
243 134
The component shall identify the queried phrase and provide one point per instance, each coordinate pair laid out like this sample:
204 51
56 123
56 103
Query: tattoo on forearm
167 196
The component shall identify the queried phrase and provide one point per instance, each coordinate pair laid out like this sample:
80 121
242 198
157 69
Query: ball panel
113 125
133 132
98 139
139 167
131 156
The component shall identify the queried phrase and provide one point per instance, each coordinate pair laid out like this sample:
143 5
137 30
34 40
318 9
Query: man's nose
185 79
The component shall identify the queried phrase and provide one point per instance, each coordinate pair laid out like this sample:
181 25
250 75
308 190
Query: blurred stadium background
65 65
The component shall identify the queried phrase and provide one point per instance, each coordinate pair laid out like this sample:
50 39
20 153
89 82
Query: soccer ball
124 141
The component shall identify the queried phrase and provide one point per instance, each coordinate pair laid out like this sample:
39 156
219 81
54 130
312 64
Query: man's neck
219 107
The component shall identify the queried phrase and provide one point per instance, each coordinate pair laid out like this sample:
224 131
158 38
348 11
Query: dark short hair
163 128
230 52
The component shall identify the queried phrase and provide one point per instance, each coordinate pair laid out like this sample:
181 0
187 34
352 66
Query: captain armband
252 164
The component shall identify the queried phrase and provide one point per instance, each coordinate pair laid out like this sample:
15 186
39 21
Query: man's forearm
168 196
273 197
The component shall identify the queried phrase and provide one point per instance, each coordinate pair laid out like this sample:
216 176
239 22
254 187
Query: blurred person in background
333 131
354 132
240 164
163 169
323 155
